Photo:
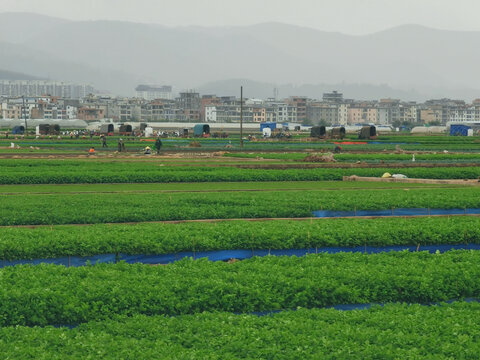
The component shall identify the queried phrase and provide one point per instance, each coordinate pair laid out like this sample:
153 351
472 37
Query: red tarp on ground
351 143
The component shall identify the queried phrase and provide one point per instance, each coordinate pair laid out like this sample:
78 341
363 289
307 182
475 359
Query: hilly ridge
117 55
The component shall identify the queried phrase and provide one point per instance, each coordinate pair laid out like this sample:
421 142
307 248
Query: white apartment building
286 113
71 112
464 114
14 88
211 113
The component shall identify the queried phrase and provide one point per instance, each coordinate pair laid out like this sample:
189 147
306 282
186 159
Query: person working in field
121 146
158 145
104 141
91 151
148 151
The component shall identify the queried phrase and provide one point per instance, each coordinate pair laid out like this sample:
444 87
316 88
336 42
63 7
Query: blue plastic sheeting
224 255
459 130
270 125
350 307
395 212
374 213
328 213
340 307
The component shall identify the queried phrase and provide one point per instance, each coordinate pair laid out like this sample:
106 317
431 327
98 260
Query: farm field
191 255
208 187
88 208
166 238
35 171
52 294
393 331
299 143
368 157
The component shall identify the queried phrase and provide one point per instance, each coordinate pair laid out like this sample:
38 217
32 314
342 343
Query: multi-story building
210 113
301 104
432 114
259 114
11 111
188 100
158 110
388 111
190 103
153 92
13 88
463 114
208 101
229 110
342 114
440 110
333 97
322 112
408 112
90 113
281 112
476 104
362 113
18 107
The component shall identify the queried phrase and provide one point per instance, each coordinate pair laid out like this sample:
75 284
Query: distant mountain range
10 75
416 62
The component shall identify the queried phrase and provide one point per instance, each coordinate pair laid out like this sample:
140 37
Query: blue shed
201 129
271 125
18 130
459 130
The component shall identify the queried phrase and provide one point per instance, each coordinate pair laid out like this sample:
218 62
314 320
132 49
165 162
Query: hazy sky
347 16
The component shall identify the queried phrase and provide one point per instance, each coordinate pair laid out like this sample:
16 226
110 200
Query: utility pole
241 116
24 114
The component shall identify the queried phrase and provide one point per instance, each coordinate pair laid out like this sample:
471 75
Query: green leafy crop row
393 332
345 157
157 238
49 294
101 208
69 172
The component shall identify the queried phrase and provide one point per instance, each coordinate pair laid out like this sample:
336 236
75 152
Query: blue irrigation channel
339 307
225 255
366 306
395 212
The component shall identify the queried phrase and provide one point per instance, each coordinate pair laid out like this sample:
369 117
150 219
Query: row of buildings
190 106
14 88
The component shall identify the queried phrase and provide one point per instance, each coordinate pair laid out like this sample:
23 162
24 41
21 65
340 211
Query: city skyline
190 106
